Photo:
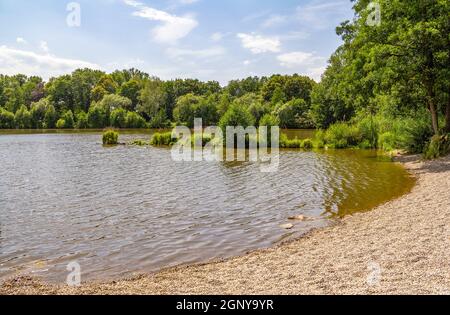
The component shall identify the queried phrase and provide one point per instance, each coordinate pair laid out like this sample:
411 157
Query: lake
116 211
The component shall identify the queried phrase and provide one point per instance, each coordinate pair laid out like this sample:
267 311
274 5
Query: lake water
116 211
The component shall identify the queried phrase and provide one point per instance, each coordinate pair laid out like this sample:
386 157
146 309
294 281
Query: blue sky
205 39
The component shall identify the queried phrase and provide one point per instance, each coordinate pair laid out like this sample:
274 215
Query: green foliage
118 118
66 121
159 121
82 121
236 116
342 135
50 117
135 121
6 119
308 144
437 147
162 139
110 137
97 117
38 111
286 143
22 118
294 114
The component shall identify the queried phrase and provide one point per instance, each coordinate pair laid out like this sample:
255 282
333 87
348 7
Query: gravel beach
401 247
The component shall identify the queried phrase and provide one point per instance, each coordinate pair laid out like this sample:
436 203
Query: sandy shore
401 247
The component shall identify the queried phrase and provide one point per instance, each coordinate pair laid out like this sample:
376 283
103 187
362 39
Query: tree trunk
434 118
447 117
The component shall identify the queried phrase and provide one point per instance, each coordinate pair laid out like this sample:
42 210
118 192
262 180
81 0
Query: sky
217 40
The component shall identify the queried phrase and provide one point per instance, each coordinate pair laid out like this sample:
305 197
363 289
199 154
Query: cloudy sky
205 39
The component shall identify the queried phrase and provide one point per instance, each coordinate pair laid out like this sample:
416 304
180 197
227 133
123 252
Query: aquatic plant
110 137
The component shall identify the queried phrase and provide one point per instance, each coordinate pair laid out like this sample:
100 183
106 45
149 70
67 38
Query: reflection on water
64 197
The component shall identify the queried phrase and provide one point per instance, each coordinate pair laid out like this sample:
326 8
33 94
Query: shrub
342 135
22 118
437 147
387 141
50 117
139 143
236 116
66 121
118 118
290 144
6 119
134 120
162 139
61 124
82 121
97 117
110 137
308 144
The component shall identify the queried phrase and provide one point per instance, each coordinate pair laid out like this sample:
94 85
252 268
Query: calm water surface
116 211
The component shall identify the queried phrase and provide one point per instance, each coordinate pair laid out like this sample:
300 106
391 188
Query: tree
38 111
112 102
51 117
134 120
118 118
294 114
22 118
6 119
152 98
97 117
130 90
66 121
184 112
81 120
236 116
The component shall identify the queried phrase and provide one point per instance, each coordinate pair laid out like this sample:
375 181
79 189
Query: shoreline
399 247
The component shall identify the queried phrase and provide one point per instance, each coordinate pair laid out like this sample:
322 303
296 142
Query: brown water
115 211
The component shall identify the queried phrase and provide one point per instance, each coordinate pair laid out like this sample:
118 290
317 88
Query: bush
110 137
50 117
22 118
236 116
342 135
387 141
134 120
61 124
97 117
66 121
437 147
118 118
308 144
285 143
6 119
162 139
82 121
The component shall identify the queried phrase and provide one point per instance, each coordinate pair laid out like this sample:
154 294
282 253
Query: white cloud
178 53
321 14
13 61
185 2
172 28
304 62
274 20
21 40
258 44
217 37
44 46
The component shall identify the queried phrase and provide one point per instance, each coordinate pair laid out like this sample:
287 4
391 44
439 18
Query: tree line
133 99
